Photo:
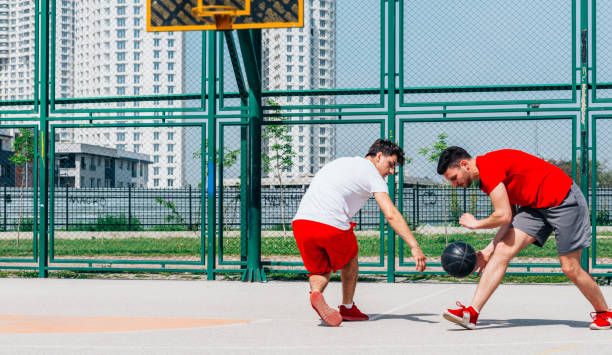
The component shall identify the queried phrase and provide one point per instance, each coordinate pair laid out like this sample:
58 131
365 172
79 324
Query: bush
112 223
602 218
26 225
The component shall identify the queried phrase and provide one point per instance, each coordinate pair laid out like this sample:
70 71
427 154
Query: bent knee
571 269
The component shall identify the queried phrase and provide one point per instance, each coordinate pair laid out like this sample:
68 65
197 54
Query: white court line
411 303
295 347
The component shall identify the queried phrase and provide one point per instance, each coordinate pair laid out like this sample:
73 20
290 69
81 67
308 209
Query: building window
155 171
171 147
170 159
170 136
156 147
156 182
120 137
156 159
170 182
170 171
156 135
137 148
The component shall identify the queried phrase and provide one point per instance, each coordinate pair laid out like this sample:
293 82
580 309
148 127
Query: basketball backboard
192 15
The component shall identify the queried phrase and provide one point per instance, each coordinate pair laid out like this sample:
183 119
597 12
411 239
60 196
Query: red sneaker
352 313
464 316
600 320
328 314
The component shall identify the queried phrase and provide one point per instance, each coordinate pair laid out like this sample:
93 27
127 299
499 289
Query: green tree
604 175
23 155
433 153
279 155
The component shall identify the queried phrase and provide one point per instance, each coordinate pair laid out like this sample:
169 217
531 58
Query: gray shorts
570 221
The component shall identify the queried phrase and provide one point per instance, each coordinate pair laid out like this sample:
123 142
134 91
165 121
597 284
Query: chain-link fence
550 138
512 48
131 184
125 187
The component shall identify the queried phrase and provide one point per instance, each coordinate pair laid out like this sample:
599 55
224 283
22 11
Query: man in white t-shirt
323 231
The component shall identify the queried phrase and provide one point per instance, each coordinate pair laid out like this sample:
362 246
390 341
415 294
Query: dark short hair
450 158
387 148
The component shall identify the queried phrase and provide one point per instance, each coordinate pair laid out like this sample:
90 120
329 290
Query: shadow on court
525 322
416 317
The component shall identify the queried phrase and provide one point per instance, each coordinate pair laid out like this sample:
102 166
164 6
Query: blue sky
472 42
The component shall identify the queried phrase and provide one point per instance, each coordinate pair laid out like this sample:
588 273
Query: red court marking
18 323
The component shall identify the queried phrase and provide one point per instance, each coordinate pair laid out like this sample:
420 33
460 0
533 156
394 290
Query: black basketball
459 259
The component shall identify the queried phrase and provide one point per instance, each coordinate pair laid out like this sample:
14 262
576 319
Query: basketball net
221 16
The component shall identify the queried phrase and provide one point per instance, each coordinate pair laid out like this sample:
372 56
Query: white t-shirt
339 190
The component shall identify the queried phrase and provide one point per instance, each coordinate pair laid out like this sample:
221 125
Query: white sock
350 305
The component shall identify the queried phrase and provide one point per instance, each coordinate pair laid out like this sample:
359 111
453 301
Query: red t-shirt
529 180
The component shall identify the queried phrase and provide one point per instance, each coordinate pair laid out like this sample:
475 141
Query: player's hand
483 257
469 221
419 258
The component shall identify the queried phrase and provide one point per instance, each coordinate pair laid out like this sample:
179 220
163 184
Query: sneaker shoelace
463 308
600 315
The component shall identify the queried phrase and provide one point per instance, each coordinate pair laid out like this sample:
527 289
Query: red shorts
324 248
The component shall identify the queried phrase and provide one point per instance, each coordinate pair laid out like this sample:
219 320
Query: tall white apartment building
305 59
4 31
64 48
17 35
114 56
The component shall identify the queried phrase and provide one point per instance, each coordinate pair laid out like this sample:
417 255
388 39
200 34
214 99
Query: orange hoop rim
214 10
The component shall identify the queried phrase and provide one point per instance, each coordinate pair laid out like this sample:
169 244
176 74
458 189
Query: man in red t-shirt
547 200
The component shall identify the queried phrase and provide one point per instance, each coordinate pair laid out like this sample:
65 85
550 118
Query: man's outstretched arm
399 225
501 215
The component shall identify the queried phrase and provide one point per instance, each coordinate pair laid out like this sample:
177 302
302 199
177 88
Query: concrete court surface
62 316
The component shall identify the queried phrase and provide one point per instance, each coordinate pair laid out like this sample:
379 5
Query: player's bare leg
570 264
513 242
349 280
319 282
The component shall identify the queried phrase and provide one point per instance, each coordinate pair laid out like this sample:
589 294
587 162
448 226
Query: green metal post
43 187
391 133
212 140
254 271
584 111
244 137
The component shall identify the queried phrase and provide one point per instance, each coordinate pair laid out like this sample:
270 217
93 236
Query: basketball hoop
222 16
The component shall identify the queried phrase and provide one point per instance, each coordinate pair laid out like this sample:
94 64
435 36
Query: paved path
59 316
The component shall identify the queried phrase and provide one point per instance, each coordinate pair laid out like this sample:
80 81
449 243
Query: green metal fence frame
594 264
595 85
212 97
493 88
380 91
34 258
405 121
269 266
202 97
90 262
